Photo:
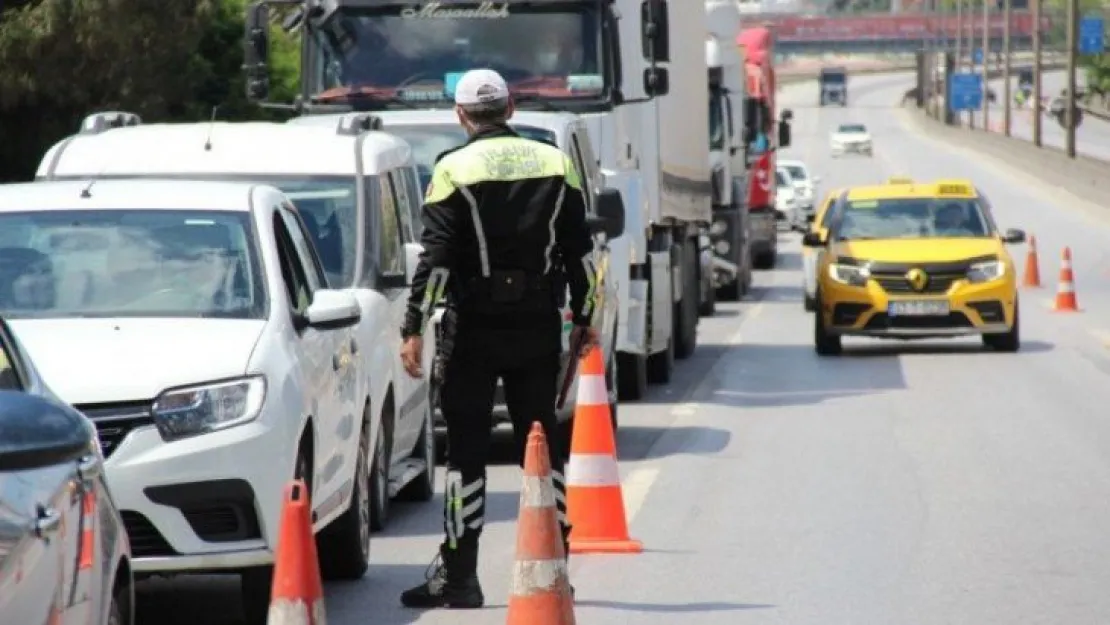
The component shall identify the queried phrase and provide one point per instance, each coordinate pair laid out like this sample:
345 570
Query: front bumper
199 504
974 309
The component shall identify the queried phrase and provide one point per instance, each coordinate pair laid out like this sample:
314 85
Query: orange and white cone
1032 276
1065 292
297 594
541 592
595 503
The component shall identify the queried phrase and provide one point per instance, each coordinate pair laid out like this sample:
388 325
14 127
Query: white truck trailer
609 61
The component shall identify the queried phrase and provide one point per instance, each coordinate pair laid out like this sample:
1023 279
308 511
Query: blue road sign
977 56
965 92
1091 35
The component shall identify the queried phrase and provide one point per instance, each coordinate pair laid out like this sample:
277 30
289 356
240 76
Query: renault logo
917 279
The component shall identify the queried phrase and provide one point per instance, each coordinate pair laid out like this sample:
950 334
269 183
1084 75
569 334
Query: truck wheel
708 304
685 337
765 260
661 365
730 292
632 376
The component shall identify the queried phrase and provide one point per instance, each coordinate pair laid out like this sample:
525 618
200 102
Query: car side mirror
610 214
784 134
1013 235
813 239
41 432
657 82
256 51
331 309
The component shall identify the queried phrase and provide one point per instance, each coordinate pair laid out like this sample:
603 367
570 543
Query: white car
191 323
850 139
786 200
432 131
805 184
357 191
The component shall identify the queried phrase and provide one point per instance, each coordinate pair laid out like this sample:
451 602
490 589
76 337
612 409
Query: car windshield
430 140
915 218
852 129
129 263
797 172
417 53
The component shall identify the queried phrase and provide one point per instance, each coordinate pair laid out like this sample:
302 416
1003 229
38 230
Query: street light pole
971 55
1007 51
1038 110
986 64
1073 53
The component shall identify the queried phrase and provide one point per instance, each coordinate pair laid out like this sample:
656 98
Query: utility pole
971 56
1007 52
986 64
1038 110
1073 52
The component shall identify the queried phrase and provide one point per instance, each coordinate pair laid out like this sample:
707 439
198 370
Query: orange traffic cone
88 530
541 592
54 617
1032 266
1065 292
297 596
595 504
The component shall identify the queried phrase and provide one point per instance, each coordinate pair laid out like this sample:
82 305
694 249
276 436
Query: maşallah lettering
435 10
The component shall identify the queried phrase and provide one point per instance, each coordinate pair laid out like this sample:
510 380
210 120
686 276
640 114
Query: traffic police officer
504 233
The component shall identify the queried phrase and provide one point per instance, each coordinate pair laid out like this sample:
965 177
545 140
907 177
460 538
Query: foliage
173 60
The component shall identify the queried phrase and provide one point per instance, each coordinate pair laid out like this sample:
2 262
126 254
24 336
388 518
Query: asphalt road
900 484
1092 138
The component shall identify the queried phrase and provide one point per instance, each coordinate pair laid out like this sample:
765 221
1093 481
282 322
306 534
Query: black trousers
473 357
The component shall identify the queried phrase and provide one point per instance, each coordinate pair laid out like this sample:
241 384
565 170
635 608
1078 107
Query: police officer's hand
412 353
593 337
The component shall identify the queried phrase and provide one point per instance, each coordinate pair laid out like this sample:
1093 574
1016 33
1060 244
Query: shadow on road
789 261
376 597
646 442
674 607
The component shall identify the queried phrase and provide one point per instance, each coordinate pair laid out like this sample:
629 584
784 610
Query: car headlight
849 274
718 228
722 248
986 271
193 410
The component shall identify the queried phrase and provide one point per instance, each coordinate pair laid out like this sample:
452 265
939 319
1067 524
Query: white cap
481 86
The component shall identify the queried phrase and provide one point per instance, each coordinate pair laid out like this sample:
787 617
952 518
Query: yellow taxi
910 261
811 257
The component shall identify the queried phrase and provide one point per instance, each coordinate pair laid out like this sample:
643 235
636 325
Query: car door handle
47 522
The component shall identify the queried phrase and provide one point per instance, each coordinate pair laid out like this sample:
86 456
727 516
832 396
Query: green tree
173 60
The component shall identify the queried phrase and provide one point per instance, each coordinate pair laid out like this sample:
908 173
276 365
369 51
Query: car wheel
661 365
344 545
1007 342
379 480
254 594
824 343
423 488
120 610
632 376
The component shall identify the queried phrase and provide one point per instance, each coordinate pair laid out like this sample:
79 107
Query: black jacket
502 205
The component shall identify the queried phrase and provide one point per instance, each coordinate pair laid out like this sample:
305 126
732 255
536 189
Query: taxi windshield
916 218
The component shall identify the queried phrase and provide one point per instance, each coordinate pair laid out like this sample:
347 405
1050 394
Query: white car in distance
191 323
358 193
805 184
850 139
786 200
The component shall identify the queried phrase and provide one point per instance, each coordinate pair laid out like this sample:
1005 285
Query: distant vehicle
851 139
832 83
786 200
805 186
912 262
191 323
61 536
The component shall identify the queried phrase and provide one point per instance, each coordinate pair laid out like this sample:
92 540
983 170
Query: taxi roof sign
955 187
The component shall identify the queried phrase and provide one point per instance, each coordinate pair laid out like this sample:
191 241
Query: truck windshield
834 78
130 263
416 53
430 140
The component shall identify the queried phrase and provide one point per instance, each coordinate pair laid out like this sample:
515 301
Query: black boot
452 582
566 555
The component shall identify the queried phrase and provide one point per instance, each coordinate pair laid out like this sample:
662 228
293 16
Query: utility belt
511 292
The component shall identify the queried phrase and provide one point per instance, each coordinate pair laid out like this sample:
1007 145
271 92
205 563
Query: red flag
761 183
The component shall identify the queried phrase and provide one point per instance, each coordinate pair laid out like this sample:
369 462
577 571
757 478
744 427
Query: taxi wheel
809 303
1008 341
824 343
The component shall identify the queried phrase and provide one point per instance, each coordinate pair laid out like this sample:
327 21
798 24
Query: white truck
609 61
435 130
357 190
730 232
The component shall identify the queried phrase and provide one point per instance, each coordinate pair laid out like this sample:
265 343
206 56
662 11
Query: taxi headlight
849 274
987 271
718 228
188 411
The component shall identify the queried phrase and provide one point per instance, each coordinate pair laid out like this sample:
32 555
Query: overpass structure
800 34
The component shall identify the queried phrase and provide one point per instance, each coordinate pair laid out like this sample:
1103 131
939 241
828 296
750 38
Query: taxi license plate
918 308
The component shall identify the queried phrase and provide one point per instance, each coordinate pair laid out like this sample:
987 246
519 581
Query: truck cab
832 84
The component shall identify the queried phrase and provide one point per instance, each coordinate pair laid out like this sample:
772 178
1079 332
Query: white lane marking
635 489
1103 337
684 410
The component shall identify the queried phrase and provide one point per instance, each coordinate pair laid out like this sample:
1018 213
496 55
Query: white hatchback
189 322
